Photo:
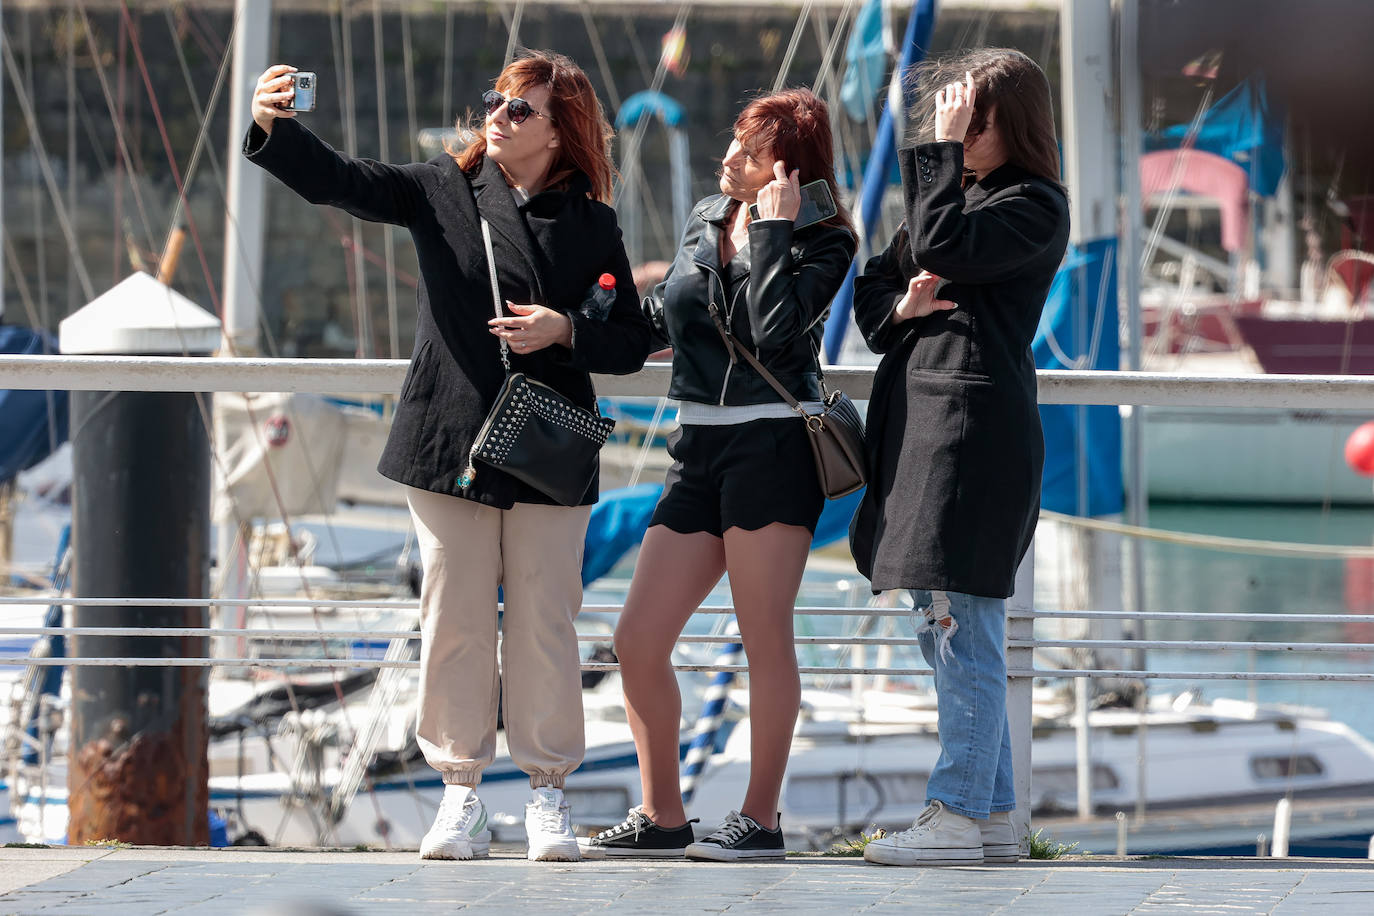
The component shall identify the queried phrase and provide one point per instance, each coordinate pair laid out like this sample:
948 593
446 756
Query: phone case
304 85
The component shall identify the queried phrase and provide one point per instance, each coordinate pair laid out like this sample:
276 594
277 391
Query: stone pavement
258 882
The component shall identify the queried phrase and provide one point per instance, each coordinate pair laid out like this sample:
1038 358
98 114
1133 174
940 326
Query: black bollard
137 765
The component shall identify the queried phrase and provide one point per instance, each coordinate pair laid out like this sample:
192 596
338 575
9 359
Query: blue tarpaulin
866 61
1245 126
1080 323
32 423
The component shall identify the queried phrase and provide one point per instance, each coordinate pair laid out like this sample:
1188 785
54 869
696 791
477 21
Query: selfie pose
535 181
742 495
954 433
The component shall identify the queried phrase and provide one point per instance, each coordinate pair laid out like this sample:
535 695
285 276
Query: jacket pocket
948 342
416 376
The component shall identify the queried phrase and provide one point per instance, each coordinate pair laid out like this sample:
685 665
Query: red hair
584 134
794 126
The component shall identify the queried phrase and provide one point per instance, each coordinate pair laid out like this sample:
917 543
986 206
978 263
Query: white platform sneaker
939 837
999 838
548 827
460 828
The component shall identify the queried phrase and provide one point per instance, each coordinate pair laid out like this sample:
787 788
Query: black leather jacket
776 308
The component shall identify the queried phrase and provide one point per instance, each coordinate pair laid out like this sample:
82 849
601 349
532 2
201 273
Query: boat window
1285 766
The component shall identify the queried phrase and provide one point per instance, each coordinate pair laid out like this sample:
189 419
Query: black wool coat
549 251
956 450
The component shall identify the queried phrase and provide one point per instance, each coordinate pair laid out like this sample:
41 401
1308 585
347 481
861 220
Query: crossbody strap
743 351
495 290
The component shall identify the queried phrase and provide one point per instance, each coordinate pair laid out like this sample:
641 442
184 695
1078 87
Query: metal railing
385 376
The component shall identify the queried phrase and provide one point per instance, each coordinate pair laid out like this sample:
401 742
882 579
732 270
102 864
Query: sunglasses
517 108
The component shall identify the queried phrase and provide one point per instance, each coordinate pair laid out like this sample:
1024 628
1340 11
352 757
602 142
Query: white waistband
690 413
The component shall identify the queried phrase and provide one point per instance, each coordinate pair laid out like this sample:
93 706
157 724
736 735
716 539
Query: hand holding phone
817 205
281 92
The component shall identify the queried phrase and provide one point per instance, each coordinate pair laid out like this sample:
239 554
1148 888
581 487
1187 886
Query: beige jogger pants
535 553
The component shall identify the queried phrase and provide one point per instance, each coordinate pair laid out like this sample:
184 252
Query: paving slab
259 882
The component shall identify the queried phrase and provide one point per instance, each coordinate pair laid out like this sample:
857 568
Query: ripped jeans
963 637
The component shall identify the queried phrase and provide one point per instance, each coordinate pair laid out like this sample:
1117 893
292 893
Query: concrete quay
102 881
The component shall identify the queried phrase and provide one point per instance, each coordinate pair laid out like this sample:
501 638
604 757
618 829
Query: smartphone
303 83
817 205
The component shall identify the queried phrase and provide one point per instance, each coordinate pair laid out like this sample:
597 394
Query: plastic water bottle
600 298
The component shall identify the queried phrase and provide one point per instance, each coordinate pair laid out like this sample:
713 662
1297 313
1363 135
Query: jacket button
922 157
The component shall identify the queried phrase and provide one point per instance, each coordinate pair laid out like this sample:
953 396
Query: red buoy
1359 449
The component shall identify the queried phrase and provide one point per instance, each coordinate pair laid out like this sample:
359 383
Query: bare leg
765 573
673 574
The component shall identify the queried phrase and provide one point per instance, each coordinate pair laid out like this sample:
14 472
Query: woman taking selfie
742 495
954 433
538 174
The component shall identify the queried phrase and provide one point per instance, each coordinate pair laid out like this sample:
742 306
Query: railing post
1020 626
1283 822
137 768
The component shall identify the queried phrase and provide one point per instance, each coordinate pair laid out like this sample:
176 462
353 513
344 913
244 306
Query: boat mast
244 227
245 217
1133 431
2 179
1090 170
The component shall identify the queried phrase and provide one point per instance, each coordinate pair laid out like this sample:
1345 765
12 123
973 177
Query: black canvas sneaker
639 837
740 837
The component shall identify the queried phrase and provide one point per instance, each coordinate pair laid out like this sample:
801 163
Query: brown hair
794 126
584 134
1005 80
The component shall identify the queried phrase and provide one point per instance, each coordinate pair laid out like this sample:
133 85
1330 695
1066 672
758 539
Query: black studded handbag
533 432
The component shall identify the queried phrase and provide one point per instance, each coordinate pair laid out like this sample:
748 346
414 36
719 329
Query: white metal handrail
315 635
1284 617
384 376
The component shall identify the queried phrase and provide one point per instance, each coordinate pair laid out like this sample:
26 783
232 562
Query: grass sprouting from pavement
1045 847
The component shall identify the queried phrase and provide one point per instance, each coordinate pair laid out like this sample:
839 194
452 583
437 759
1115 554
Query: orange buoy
1359 449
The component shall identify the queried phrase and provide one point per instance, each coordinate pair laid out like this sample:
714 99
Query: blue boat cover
1245 126
32 423
1080 322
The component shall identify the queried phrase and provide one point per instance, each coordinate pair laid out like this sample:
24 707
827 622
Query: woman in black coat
539 173
956 447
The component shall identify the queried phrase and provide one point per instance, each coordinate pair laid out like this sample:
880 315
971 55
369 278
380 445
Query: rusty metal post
137 765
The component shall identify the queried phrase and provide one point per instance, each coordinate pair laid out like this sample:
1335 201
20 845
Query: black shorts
744 475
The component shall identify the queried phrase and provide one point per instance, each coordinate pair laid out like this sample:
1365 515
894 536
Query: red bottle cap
606 281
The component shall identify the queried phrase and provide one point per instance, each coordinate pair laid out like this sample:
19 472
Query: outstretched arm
369 190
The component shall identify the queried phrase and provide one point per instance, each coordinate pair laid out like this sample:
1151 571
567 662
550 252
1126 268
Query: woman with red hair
742 495
538 175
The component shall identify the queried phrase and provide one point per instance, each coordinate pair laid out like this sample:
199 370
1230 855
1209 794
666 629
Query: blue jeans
963 639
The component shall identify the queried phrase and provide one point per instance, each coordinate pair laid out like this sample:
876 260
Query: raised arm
369 190
787 296
987 245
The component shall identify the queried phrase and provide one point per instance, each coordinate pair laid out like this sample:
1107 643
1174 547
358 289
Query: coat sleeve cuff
769 239
255 141
927 165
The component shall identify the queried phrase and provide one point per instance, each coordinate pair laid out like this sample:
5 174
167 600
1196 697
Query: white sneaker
999 838
460 828
548 827
939 837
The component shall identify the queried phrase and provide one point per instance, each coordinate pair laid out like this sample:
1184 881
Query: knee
638 646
